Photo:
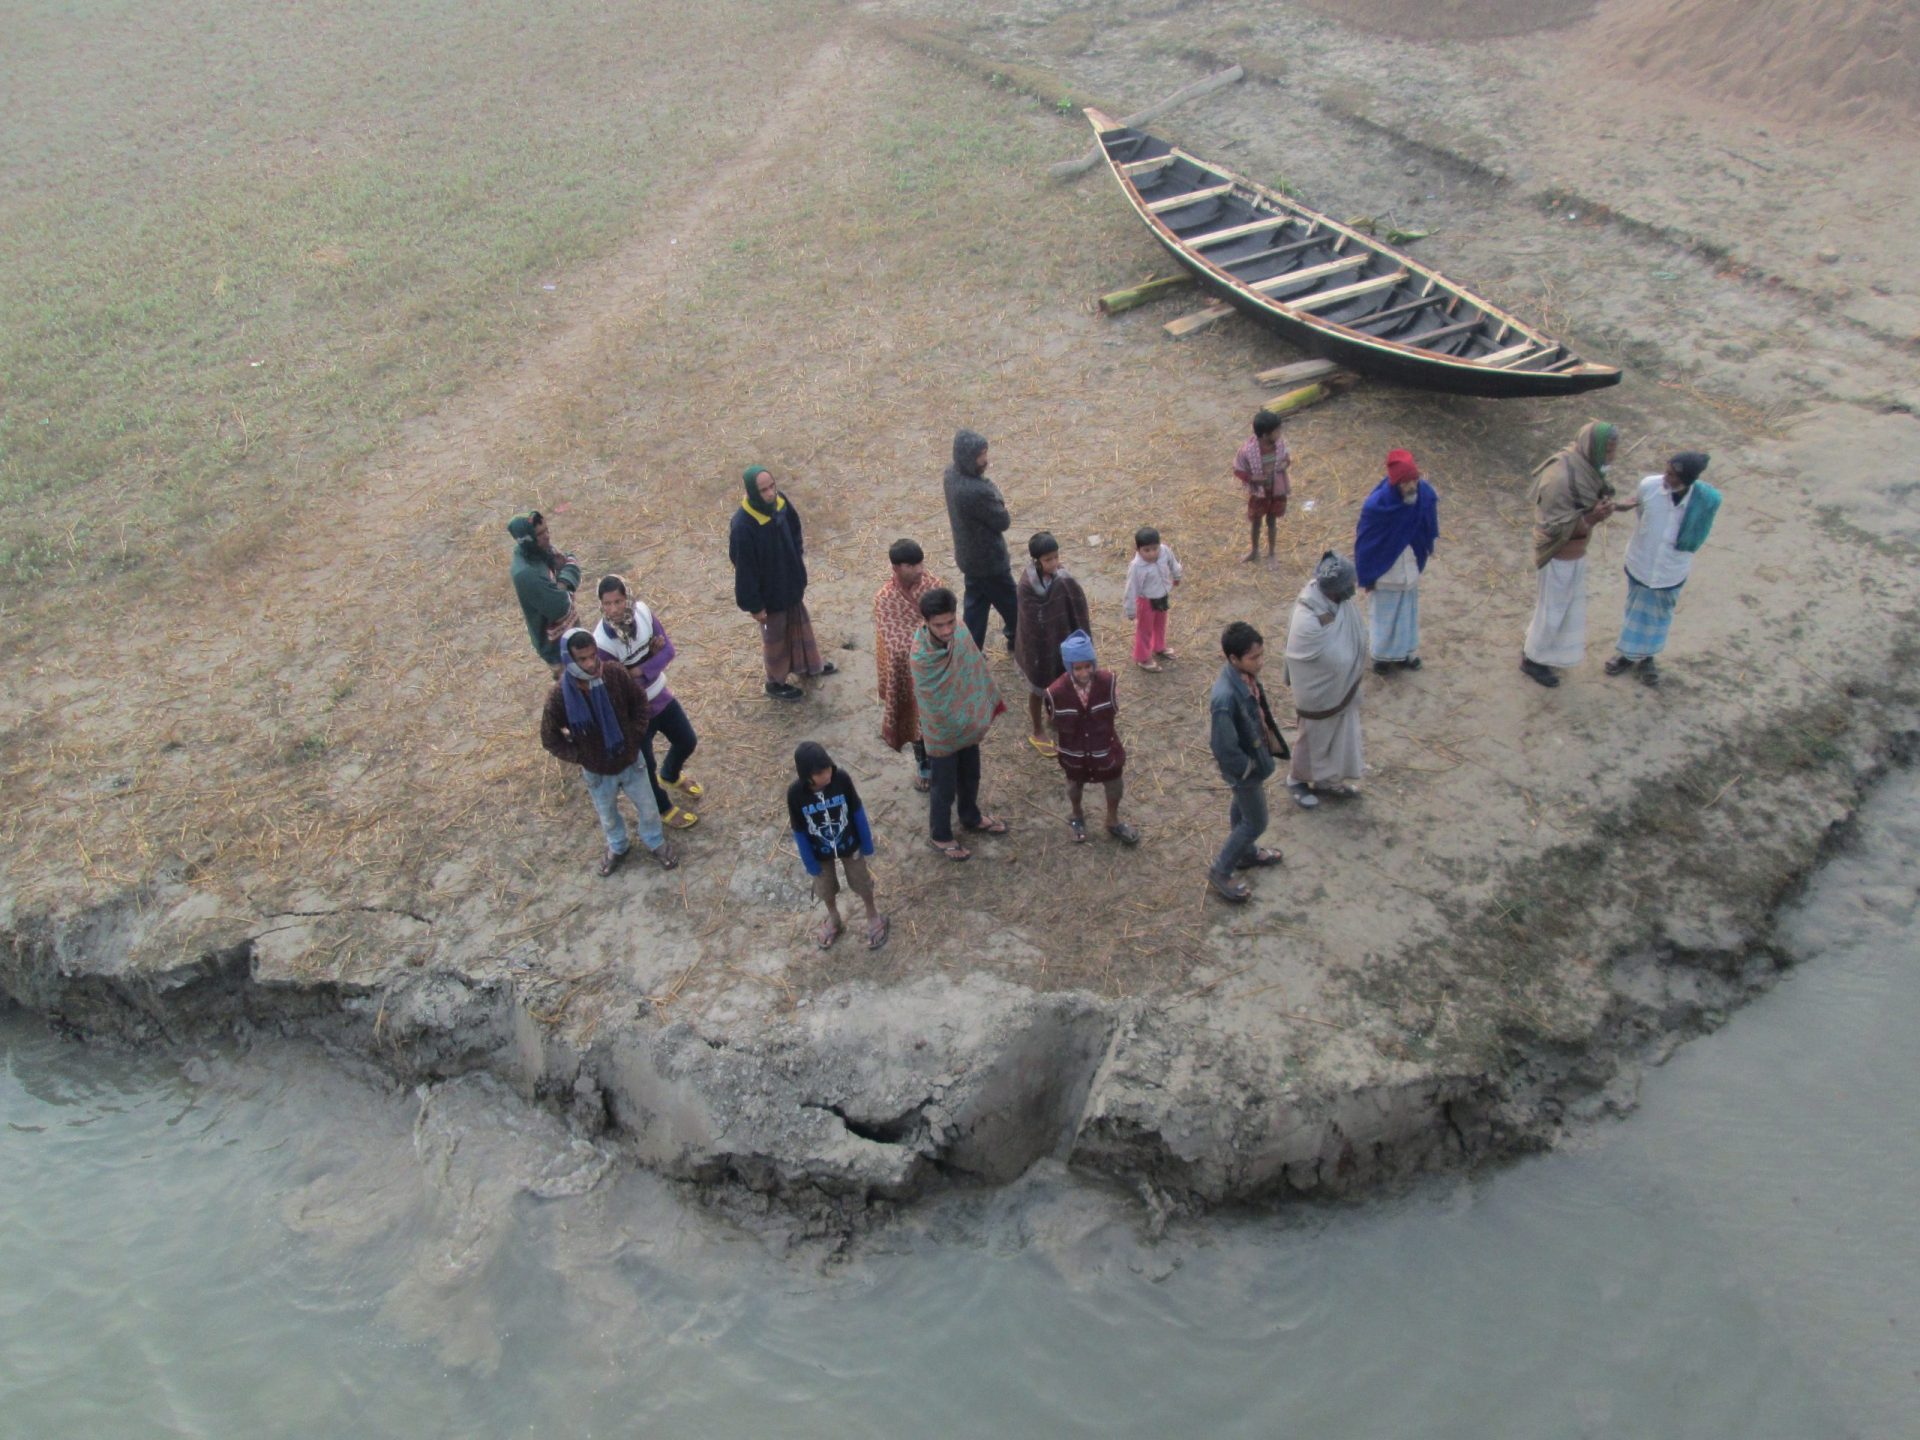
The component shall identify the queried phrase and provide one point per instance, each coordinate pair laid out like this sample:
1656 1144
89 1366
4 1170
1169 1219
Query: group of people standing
938 698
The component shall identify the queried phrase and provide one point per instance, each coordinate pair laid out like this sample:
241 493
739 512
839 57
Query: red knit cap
1400 467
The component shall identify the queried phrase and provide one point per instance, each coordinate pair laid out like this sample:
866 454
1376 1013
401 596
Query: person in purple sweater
631 635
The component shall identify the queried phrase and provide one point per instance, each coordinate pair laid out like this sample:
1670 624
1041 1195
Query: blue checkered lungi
1643 633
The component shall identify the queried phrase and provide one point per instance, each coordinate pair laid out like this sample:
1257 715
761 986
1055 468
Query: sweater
544 583
976 512
1150 580
585 747
768 554
645 664
828 823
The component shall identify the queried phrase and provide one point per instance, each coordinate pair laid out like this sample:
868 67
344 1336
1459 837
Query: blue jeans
1248 816
606 790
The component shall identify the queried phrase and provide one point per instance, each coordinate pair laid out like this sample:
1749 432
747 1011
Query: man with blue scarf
1398 532
595 717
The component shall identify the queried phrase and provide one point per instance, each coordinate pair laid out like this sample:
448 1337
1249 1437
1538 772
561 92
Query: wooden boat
1330 289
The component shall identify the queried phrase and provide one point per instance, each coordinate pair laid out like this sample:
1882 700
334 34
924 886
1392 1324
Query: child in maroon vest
1083 708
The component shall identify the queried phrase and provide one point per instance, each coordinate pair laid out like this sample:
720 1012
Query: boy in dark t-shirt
830 824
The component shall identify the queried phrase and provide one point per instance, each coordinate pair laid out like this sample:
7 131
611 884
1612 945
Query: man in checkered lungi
1676 513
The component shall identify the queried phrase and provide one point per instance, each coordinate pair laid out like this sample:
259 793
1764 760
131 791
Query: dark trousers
956 775
671 722
984 592
1248 816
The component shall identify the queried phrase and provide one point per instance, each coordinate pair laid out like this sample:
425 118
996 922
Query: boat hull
1476 348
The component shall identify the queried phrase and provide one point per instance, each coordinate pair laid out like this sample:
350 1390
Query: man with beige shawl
1571 498
1326 659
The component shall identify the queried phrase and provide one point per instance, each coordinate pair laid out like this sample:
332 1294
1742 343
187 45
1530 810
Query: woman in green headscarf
1571 497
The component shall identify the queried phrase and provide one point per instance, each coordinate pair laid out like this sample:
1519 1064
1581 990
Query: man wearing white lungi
1398 532
1326 661
1571 498
1676 512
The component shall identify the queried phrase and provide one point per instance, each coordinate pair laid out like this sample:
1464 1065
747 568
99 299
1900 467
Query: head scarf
1336 577
1599 434
1689 464
753 502
596 705
1400 467
1077 647
520 527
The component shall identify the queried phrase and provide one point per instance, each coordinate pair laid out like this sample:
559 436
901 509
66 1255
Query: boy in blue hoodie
830 825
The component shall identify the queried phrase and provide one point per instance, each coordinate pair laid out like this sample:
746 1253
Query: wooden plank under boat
1327 287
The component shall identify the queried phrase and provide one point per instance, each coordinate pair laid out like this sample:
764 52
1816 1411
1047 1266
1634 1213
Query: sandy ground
342 767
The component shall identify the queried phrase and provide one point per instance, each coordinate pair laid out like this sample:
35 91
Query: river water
268 1244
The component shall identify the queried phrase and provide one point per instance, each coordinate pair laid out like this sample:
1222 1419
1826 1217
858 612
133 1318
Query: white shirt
1651 558
1403 574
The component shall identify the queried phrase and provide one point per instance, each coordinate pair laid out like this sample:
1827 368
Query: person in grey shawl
977 513
1326 662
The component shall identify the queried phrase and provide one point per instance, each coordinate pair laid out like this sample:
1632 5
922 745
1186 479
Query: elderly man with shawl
1326 661
1676 513
1052 607
594 718
1398 533
957 703
1571 499
543 581
770 583
896 615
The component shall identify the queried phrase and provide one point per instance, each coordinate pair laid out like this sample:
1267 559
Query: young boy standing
1261 469
1084 708
830 824
1151 576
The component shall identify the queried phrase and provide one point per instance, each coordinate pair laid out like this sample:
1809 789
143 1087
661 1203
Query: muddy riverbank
1540 891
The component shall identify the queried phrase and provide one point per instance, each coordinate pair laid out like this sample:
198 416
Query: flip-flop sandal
952 849
1124 833
666 859
1079 829
922 784
877 932
1166 655
679 819
1260 859
827 667
989 825
1339 792
1232 891
692 789
828 932
1149 665
1045 747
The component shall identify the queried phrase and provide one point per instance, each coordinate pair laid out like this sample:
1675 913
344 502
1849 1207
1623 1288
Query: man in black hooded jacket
977 511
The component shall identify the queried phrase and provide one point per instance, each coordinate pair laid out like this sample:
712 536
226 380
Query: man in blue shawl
1398 532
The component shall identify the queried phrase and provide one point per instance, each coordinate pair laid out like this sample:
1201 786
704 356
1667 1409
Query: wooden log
1299 373
1118 301
1198 320
1068 169
1295 401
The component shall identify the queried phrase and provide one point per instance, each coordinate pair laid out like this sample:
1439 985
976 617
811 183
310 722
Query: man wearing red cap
1399 531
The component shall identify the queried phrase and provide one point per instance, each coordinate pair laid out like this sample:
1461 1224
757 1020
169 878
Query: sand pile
1856 62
